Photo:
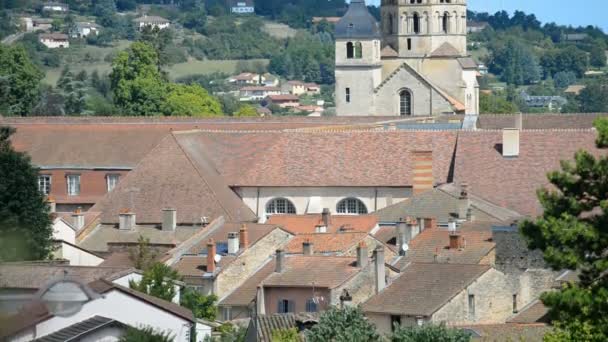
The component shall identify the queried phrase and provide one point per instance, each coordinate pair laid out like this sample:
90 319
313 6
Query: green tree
136 81
516 63
202 306
157 281
343 325
563 79
594 98
23 78
429 333
572 235
25 225
142 255
494 104
147 334
190 100
285 335
246 110
597 55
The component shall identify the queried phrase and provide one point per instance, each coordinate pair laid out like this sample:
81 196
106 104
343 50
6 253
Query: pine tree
573 234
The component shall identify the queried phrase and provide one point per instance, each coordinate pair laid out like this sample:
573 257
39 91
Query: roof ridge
495 130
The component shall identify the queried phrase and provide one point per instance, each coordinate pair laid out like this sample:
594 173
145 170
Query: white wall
123 308
124 281
62 231
54 44
329 197
77 256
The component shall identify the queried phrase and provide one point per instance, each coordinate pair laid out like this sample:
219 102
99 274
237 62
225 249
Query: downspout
376 199
257 204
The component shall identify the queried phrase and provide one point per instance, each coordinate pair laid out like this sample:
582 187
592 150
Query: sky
565 12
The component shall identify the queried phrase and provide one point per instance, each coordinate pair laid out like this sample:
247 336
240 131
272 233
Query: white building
55 7
242 7
82 30
54 40
152 21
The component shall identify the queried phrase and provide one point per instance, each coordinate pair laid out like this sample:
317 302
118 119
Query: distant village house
82 30
55 7
476 26
54 40
152 21
242 6
257 93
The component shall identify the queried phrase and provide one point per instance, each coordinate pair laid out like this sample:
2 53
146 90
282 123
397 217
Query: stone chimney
243 237
451 225
510 142
362 255
50 201
169 219
422 174
259 302
307 248
326 217
78 219
402 235
233 243
463 201
211 252
379 265
412 229
456 241
126 220
280 262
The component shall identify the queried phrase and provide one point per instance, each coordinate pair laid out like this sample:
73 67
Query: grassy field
279 30
176 71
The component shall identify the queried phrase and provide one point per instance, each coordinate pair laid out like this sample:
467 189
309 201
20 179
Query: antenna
405 247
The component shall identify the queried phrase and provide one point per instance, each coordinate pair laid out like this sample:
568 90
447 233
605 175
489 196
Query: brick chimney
423 171
243 237
169 219
50 201
307 248
456 241
430 223
379 267
326 217
280 262
463 201
361 255
78 219
211 252
233 243
126 219
510 142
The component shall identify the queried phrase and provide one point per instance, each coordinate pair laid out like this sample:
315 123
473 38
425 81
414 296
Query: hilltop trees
572 235
19 81
25 225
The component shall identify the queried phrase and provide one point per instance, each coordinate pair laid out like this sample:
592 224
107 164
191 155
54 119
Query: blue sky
566 12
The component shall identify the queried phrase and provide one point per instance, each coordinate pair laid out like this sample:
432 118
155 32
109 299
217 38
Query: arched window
280 206
405 103
390 24
445 20
416 23
351 206
350 50
358 50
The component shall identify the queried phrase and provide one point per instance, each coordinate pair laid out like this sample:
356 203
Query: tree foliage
22 79
515 63
343 325
246 110
429 333
157 281
496 104
142 255
572 235
286 335
202 306
25 224
146 334
190 100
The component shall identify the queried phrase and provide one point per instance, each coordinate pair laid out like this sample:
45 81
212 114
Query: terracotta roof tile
324 271
509 332
306 224
255 233
539 121
422 289
326 243
244 294
196 266
35 276
535 312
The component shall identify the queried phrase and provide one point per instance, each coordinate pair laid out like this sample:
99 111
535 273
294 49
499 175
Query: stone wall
512 252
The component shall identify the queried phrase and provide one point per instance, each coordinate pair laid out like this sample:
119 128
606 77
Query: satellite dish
217 258
405 247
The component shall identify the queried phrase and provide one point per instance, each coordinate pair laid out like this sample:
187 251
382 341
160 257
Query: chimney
423 171
244 237
510 142
233 243
169 219
307 248
451 225
211 256
78 219
411 231
380 272
126 220
519 121
52 204
362 255
280 262
456 241
463 201
401 235
326 216
260 305
430 223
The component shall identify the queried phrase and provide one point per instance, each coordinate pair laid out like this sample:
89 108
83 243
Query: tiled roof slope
168 177
244 294
509 332
422 289
255 232
535 312
306 224
539 121
28 276
326 243
513 182
99 238
79 330
354 158
325 271
267 324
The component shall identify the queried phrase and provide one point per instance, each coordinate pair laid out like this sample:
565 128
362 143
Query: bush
429 333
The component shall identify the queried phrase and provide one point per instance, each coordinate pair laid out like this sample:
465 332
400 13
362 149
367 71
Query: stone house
54 40
152 21
257 93
283 100
84 29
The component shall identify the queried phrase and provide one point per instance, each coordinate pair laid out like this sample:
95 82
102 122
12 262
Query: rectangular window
514 303
44 184
111 181
409 43
73 185
472 305
395 321
227 314
286 306
347 95
311 305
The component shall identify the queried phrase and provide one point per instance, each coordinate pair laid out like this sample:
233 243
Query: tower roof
357 23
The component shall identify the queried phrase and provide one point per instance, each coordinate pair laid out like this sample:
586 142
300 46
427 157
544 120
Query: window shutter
291 306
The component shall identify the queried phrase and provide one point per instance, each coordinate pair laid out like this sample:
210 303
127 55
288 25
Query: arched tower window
350 50
445 22
405 102
358 50
390 24
416 23
352 206
280 206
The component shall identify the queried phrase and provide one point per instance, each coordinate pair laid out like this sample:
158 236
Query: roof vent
126 220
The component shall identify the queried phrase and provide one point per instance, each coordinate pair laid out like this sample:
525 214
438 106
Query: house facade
54 40
242 6
152 21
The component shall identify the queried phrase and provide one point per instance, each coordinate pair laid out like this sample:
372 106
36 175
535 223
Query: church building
414 63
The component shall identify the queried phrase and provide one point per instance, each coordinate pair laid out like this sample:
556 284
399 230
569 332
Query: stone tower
417 28
358 60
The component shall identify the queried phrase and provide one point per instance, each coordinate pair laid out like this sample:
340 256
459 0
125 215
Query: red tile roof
513 182
539 121
283 97
244 294
324 271
306 224
326 243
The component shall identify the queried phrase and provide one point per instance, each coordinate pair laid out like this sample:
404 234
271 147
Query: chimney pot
456 241
430 223
463 202
280 262
380 271
211 252
307 248
244 237
52 204
233 243
451 226
362 255
403 234
78 219
169 219
126 220
510 142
